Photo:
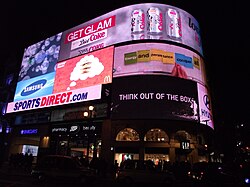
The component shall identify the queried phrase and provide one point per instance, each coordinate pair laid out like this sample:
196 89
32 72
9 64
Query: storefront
81 139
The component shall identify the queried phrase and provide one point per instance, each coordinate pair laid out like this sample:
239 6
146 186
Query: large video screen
85 70
136 22
62 98
75 80
30 150
205 106
157 59
37 72
154 97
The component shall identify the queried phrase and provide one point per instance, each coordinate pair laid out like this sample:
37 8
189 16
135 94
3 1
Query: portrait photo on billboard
154 97
158 58
152 21
85 70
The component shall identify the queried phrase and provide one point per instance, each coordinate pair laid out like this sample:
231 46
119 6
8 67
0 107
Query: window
182 136
127 134
156 135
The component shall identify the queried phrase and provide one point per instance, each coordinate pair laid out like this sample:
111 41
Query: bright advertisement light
37 72
30 149
154 97
83 71
205 106
158 58
136 22
40 58
74 96
35 87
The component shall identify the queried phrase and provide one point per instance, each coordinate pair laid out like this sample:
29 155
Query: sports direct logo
79 95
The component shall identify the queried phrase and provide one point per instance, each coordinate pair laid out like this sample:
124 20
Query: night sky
223 31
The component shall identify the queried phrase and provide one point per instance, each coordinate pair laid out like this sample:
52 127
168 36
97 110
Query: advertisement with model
158 59
136 22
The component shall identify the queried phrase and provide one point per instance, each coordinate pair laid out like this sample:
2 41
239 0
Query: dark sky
223 31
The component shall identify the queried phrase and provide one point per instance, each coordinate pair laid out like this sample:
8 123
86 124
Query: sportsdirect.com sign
74 96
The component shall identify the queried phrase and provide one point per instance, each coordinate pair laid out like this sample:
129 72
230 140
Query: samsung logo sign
34 87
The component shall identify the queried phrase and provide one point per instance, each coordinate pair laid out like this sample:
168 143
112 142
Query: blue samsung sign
34 87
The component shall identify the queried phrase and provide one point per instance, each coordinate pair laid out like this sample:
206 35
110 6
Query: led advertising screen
205 106
62 98
154 97
75 80
156 59
30 150
85 70
136 22
37 72
40 58
35 87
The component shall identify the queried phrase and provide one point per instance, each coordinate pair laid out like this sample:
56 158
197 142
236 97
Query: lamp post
89 116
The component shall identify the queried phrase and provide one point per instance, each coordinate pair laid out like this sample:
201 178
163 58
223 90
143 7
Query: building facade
142 70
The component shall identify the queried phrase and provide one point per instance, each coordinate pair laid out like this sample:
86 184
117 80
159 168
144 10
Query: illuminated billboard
37 72
35 87
136 22
205 106
75 80
158 59
62 98
40 58
85 70
154 97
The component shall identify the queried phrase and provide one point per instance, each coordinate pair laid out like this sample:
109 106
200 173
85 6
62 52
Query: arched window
127 134
156 135
182 136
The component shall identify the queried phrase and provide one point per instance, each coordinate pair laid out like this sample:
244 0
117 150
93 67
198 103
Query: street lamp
88 114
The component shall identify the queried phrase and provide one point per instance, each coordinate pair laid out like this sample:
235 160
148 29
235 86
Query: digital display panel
205 105
62 98
30 149
85 70
35 87
154 97
136 22
37 72
40 58
156 59
75 80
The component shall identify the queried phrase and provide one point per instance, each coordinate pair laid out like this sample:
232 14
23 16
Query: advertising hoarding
85 70
62 98
157 59
136 22
205 106
37 72
154 97
35 87
78 76
40 58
